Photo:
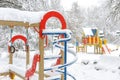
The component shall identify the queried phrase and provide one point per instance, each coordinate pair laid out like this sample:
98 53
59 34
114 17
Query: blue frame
65 58
65 51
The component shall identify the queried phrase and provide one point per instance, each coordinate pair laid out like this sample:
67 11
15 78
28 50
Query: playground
91 59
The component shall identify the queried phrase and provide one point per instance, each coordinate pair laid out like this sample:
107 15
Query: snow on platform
18 70
4 68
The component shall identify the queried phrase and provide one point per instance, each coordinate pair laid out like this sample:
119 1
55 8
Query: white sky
67 4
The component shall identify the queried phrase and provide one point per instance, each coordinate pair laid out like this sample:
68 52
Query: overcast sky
82 3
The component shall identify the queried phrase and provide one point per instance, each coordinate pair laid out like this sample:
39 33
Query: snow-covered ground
89 66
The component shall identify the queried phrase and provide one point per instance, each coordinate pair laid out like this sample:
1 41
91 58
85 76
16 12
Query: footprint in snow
95 62
98 68
85 62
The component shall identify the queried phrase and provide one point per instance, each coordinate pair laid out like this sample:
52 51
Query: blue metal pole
65 58
11 35
27 36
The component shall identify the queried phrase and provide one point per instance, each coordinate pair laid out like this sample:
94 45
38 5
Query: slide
105 49
57 62
31 71
36 59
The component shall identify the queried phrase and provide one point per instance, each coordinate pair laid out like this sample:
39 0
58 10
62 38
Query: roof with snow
18 17
90 31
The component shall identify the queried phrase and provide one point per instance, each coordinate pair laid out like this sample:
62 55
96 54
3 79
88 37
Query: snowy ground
88 66
96 66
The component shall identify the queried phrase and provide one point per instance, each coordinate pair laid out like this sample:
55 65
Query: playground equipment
91 38
61 43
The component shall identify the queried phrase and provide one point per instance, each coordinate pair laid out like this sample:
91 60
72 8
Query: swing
11 48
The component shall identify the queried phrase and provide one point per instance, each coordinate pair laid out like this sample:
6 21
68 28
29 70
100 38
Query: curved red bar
49 15
19 37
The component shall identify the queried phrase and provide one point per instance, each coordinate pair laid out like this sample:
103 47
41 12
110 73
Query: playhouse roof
8 15
89 31
18 15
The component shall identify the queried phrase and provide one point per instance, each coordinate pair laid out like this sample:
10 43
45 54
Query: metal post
11 33
65 58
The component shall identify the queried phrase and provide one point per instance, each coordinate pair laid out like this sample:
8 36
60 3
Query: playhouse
90 37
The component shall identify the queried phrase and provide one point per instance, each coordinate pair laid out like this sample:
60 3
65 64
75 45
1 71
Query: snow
11 14
86 68
3 55
56 31
87 31
17 70
109 62
4 68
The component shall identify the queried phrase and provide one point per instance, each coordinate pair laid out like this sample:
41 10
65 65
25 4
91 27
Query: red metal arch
18 37
49 15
